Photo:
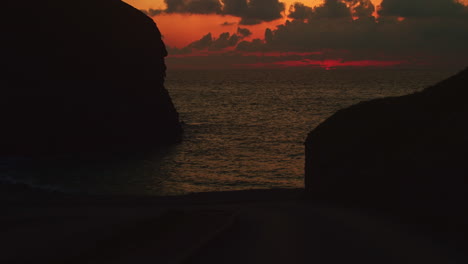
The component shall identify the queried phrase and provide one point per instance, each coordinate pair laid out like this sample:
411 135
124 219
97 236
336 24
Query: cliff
405 156
82 77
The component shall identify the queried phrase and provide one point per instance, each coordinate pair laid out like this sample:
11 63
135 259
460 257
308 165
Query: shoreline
23 194
252 226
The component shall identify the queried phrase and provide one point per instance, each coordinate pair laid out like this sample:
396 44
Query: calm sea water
244 129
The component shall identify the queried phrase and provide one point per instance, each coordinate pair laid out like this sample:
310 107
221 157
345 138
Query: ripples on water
243 130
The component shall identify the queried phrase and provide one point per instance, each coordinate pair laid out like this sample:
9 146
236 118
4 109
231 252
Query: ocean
244 129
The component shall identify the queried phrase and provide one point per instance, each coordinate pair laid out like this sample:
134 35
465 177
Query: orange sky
180 30
159 4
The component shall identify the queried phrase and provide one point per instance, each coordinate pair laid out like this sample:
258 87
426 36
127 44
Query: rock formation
406 156
82 77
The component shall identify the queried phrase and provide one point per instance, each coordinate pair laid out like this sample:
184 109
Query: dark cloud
225 24
421 8
223 41
235 7
251 12
202 43
243 32
152 12
333 29
330 26
439 38
268 35
207 42
363 8
300 11
254 11
193 6
265 10
332 9
249 46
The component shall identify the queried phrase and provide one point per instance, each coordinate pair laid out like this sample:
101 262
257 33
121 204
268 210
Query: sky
325 34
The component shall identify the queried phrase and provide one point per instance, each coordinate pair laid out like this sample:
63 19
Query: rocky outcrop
81 77
404 155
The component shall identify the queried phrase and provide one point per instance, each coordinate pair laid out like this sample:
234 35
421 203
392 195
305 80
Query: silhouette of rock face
405 155
82 76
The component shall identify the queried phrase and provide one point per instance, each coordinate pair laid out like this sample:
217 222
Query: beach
257 226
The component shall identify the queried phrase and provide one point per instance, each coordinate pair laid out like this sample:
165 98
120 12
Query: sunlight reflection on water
243 130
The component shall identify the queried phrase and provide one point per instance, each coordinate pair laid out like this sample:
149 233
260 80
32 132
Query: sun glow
327 64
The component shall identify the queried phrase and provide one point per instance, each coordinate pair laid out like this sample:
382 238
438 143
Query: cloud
235 7
202 43
254 11
265 10
363 8
251 46
251 12
422 8
345 30
193 6
226 24
207 42
244 32
440 38
300 11
152 12
223 41
332 9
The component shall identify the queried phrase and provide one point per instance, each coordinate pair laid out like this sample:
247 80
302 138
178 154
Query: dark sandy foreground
262 226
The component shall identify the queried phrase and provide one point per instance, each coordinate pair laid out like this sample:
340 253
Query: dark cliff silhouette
406 156
82 77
